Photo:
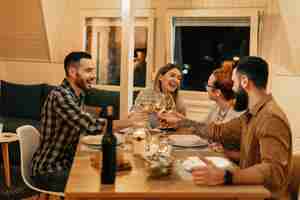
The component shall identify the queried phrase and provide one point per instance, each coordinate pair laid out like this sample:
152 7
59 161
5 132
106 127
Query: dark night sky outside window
201 49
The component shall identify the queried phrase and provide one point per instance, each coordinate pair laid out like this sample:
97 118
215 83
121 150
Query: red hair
223 80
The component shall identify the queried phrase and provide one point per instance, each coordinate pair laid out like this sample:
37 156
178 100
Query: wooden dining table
84 181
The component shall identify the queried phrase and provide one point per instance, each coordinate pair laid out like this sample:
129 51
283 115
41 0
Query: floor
42 197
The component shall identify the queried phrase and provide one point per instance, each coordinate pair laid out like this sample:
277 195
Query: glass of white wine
1 127
150 102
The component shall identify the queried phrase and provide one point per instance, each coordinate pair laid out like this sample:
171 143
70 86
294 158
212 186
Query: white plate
187 141
95 140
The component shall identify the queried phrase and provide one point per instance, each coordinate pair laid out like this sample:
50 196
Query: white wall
284 89
281 46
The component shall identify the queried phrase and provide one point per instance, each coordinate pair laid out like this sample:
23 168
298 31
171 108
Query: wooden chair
295 180
29 138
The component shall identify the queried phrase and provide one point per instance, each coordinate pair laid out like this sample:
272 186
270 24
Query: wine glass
150 101
1 127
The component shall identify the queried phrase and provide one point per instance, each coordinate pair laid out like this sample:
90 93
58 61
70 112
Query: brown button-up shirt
266 142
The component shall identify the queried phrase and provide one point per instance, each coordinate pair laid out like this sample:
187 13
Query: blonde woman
167 84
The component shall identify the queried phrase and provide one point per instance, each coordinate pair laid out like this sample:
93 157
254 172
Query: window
103 41
102 36
199 40
202 44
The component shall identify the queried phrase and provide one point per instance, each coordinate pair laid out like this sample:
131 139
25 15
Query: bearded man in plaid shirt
63 121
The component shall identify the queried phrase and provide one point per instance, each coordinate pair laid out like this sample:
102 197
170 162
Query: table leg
6 166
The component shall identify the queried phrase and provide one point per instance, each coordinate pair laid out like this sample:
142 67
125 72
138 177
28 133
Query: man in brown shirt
263 131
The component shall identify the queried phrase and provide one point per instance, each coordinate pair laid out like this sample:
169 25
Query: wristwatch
228 177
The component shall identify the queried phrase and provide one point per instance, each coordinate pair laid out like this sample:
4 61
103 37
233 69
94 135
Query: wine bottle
109 152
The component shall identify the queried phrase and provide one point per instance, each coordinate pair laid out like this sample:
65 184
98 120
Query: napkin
192 162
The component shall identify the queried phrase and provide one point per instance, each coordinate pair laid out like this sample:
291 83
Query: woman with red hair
219 89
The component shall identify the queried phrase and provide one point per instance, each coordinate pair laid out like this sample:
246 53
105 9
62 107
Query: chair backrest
295 180
29 138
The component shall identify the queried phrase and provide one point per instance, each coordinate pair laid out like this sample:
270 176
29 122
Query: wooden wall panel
22 33
103 4
32 72
143 3
2 71
63 27
228 3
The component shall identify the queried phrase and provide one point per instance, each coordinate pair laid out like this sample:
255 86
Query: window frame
251 13
86 14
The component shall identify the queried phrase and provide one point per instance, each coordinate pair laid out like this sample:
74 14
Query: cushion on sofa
21 101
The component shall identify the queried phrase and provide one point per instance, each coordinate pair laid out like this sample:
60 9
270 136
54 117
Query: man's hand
208 175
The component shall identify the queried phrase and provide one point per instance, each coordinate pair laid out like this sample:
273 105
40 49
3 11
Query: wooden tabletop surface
84 182
6 137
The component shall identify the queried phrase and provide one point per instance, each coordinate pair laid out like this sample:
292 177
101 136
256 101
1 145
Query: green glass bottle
109 152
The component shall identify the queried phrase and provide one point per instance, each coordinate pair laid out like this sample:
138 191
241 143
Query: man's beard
80 82
241 100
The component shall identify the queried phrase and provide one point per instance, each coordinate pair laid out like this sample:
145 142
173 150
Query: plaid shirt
62 121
